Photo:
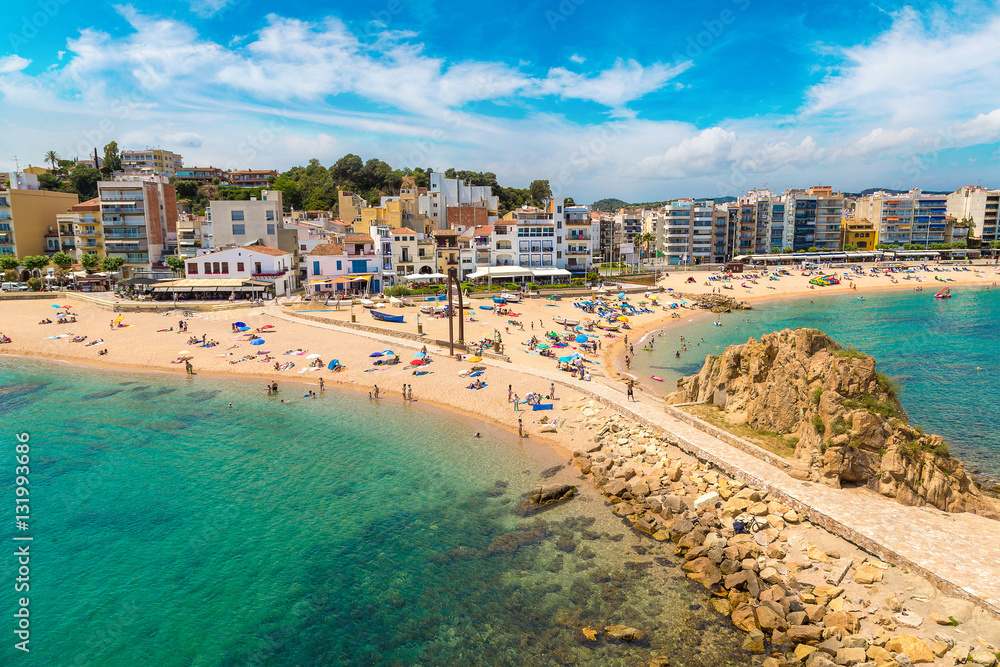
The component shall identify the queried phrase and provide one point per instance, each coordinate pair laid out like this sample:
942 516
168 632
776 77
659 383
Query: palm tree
52 158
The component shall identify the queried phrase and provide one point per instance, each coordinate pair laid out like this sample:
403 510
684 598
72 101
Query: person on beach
520 429
510 393
516 401
552 390
631 395
321 384
376 392
404 392
409 392
188 367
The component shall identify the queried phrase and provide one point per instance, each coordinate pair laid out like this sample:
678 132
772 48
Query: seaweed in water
204 395
102 394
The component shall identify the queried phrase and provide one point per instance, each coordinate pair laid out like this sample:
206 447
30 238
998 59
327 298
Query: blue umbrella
257 341
389 353
333 364
621 295
375 354
420 355
243 328
563 360
581 339
239 324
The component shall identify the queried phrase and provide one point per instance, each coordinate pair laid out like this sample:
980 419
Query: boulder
623 633
545 494
707 500
850 657
743 618
914 648
754 642
704 571
845 620
805 634
771 616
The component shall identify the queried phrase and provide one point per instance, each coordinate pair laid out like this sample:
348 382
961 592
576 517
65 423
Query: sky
643 101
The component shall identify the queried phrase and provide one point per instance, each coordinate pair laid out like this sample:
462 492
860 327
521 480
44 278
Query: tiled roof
266 250
359 238
328 249
483 230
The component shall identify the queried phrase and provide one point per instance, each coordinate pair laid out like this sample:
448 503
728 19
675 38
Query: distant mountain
612 204
871 191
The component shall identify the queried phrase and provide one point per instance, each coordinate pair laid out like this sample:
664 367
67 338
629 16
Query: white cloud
13 63
185 139
207 8
880 140
577 58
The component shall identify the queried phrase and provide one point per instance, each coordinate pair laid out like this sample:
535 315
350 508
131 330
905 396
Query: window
237 215
269 216
193 268
302 248
270 230
208 267
225 267
239 266
256 267
215 267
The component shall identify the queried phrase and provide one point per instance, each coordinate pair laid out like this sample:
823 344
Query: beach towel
472 386
476 374
542 406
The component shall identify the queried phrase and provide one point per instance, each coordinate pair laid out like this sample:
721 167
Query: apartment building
579 240
412 252
27 214
812 219
980 205
151 162
253 262
327 268
242 222
80 230
252 178
364 262
912 217
349 206
139 221
201 174
445 193
695 232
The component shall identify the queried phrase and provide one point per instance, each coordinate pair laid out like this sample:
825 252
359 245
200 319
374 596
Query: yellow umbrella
623 319
474 359
119 319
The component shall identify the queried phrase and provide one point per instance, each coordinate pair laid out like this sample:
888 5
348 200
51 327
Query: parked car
13 287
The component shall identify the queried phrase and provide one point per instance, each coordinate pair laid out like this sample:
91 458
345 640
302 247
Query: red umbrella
267 326
417 362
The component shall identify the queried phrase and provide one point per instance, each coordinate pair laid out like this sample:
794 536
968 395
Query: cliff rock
850 425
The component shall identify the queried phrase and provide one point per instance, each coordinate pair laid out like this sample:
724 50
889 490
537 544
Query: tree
10 276
775 250
112 158
84 180
35 262
62 275
175 263
53 158
62 260
112 264
569 202
90 262
850 247
35 284
539 191
9 262
49 182
186 189
347 169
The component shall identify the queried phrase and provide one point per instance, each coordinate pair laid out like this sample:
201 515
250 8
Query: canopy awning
424 276
356 279
501 272
553 272
321 281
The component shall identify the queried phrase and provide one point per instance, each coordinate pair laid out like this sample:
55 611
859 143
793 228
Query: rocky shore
801 595
842 417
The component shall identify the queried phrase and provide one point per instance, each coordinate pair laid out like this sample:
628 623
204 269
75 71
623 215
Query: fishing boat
367 303
407 301
943 294
565 321
500 301
386 317
511 298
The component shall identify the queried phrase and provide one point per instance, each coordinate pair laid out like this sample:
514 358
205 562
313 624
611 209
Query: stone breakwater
800 597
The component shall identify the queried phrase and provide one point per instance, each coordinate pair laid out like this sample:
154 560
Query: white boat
367 303
565 321
407 301
395 302
511 298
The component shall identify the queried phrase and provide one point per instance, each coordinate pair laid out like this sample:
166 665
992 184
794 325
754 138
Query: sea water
942 353
170 529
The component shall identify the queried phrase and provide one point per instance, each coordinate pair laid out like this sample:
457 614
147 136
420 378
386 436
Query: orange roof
89 205
266 250
401 230
484 230
328 249
359 238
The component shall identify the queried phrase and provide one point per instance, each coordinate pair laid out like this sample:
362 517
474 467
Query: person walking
376 392
520 429
516 401
321 384
510 393
552 391
631 395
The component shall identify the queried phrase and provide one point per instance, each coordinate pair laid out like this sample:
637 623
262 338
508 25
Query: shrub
399 290
818 424
839 427
35 284
532 286
849 353
883 408
817 393
886 384
942 450
511 286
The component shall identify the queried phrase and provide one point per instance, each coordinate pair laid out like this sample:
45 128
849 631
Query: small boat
367 303
485 307
385 317
499 300
510 298
406 301
943 294
653 377
395 302
565 321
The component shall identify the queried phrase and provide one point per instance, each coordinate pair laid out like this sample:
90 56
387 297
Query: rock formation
850 426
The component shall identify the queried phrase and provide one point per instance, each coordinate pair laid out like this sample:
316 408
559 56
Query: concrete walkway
956 552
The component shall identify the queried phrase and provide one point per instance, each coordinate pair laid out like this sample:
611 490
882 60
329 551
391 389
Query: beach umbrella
623 319
621 295
475 359
119 319
420 355
375 354
333 364
184 352
543 346
313 356
581 339
56 305
239 324
257 341
417 362
243 328
267 326
564 360
389 353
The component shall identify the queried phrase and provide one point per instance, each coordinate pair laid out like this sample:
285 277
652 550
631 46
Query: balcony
268 274
124 210
126 247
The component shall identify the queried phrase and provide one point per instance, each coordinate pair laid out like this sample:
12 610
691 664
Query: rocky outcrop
850 426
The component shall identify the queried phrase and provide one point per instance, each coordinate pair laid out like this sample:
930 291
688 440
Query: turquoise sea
171 530
943 353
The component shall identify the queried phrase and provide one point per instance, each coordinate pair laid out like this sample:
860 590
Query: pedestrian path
956 552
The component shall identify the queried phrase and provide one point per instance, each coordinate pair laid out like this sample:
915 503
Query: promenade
956 552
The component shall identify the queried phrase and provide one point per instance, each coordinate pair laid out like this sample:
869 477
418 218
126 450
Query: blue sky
644 102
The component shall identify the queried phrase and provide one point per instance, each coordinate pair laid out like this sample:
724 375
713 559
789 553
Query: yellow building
26 216
390 215
80 230
151 161
349 207
858 232
37 171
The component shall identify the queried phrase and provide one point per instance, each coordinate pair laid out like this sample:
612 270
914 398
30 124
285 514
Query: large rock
744 619
805 634
914 648
624 633
545 494
704 571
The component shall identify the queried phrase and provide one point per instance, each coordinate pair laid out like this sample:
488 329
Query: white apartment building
980 205
694 232
912 217
254 262
151 162
139 219
445 192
